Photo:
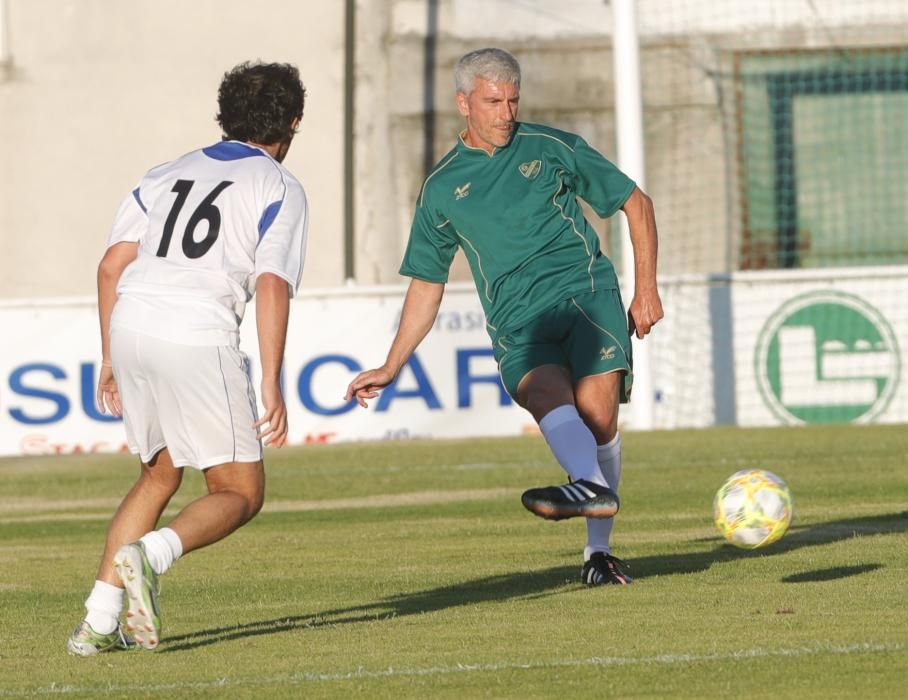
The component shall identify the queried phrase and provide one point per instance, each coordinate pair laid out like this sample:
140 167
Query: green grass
410 570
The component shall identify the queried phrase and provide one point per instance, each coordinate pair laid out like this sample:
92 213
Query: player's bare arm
646 307
419 312
272 312
110 269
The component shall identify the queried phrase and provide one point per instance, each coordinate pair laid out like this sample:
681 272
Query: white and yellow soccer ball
753 508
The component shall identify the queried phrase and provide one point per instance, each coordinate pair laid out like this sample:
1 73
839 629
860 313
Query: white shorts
197 401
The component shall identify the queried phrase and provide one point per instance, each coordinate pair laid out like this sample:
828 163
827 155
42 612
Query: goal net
776 138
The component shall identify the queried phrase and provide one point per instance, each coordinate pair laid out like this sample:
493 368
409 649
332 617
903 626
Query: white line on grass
361 673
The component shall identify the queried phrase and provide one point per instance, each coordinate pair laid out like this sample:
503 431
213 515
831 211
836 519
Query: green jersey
516 216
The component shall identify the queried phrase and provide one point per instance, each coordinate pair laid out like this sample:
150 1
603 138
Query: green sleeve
431 247
598 181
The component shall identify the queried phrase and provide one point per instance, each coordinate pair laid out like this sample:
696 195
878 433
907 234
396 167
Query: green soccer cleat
143 621
86 642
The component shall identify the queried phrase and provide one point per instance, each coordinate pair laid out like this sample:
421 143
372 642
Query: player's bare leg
597 403
140 510
544 389
236 492
138 513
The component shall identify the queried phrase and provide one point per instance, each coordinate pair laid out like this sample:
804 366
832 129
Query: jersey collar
234 150
464 147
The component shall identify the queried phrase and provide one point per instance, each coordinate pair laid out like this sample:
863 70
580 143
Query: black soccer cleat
603 569
578 499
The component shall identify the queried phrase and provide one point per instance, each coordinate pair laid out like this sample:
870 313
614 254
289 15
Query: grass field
410 570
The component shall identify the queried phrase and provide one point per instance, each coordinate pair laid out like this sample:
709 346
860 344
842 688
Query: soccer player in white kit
189 247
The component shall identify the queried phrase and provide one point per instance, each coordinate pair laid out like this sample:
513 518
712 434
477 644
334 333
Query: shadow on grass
831 574
797 537
526 585
545 582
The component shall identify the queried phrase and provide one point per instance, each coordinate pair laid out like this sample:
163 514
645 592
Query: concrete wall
95 92
564 46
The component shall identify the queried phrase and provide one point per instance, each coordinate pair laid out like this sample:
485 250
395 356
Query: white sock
599 530
572 443
162 547
103 606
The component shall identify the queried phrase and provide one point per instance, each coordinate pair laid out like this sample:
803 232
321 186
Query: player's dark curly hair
258 101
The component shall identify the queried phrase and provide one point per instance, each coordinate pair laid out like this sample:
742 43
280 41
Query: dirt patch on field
32 510
417 498
27 504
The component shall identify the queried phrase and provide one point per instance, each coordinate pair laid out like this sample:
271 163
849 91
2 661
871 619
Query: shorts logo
827 357
530 169
462 191
607 353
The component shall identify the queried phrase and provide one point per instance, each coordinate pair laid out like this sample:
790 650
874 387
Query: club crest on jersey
530 169
462 191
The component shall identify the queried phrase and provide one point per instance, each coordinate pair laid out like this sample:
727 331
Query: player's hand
272 426
366 385
644 312
108 394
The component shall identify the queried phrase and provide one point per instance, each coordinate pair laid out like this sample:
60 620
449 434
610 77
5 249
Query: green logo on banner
827 357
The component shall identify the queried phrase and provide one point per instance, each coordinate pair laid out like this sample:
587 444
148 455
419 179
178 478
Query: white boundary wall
709 357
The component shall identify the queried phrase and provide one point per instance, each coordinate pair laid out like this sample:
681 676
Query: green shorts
587 334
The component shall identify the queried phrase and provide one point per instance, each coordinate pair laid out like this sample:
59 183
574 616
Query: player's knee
541 400
603 424
246 502
245 483
162 481
253 497
254 504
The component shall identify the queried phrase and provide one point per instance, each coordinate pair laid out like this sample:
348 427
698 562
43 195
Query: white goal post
629 130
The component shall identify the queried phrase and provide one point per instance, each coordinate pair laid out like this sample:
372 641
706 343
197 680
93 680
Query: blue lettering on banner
304 385
451 321
465 380
30 382
88 396
18 385
422 391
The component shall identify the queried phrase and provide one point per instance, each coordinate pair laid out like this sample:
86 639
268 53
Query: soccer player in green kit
507 195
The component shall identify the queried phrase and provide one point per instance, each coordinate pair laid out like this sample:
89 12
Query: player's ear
294 125
463 104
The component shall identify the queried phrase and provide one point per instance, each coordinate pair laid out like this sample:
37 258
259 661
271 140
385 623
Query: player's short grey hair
492 64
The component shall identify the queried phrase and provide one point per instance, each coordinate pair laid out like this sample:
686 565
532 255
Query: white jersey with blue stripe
208 224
